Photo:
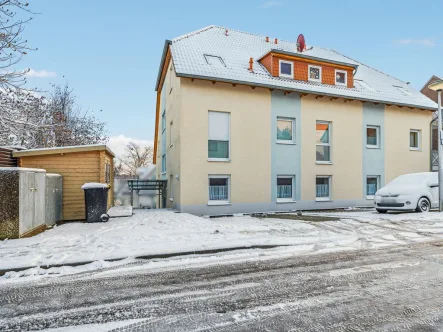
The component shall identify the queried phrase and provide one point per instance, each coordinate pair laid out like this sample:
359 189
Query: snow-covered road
163 232
395 288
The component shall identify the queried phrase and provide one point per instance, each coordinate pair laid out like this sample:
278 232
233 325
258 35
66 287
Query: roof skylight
214 60
402 90
363 84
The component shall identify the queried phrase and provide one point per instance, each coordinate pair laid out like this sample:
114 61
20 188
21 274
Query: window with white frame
219 189
286 69
373 136
341 77
164 121
285 130
323 188
414 139
285 188
323 142
170 133
314 73
164 163
218 136
372 182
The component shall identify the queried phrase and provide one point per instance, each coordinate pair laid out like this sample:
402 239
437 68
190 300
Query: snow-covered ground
150 232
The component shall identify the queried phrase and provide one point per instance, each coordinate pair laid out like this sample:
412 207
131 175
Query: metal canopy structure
152 185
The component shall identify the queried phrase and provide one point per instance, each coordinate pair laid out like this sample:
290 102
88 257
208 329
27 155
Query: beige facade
399 157
345 168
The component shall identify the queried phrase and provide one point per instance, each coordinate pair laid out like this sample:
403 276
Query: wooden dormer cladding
271 62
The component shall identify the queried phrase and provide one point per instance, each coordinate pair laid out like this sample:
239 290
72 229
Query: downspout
430 145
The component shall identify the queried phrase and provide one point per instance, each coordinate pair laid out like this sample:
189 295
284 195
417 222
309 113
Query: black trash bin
96 202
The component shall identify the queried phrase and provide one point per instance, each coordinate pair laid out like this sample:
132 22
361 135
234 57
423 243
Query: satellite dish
301 45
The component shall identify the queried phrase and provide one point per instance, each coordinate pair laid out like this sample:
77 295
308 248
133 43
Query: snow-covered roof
235 49
63 149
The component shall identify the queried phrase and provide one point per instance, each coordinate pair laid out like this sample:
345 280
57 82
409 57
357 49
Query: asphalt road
390 289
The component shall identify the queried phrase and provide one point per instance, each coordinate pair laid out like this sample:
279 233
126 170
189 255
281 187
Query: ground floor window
414 139
219 188
323 188
371 186
285 188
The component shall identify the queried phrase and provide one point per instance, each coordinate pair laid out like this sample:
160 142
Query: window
314 73
402 90
372 136
164 121
219 189
323 188
171 188
170 133
364 85
218 136
341 77
163 163
171 78
286 69
285 130
414 139
214 60
371 186
107 173
285 188
323 141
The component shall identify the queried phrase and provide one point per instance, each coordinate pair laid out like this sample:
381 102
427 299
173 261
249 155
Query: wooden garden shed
77 165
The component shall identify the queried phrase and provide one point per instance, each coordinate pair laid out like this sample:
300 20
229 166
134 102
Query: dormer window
286 69
341 77
314 73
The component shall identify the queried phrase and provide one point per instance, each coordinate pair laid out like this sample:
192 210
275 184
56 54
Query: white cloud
40 73
423 42
118 144
269 4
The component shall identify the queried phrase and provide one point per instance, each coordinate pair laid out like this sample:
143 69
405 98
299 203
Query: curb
149 257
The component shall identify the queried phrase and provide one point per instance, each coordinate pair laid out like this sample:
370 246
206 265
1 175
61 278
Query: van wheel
381 211
423 205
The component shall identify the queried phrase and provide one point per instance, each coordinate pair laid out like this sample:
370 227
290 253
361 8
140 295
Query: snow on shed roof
188 55
63 149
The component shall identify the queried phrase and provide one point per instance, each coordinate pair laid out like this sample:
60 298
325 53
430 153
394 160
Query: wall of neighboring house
169 139
76 169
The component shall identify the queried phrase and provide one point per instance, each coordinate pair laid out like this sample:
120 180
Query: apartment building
249 123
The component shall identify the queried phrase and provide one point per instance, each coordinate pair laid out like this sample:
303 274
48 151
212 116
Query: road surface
390 289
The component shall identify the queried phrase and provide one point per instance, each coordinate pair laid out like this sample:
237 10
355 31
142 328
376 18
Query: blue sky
109 51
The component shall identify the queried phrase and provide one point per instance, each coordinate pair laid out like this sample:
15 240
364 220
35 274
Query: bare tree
14 16
136 157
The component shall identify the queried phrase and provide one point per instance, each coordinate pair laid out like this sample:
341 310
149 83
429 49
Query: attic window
340 77
314 73
214 60
286 69
364 85
402 90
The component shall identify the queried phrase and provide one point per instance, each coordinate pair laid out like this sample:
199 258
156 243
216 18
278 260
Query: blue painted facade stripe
285 158
373 158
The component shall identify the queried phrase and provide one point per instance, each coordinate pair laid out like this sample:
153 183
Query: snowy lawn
150 232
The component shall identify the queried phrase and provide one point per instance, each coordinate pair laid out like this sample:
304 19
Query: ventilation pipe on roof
226 32
276 41
251 64
267 39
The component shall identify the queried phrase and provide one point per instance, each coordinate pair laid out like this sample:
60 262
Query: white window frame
170 133
219 202
377 177
286 200
329 123
346 77
279 141
418 131
377 129
229 144
286 75
309 71
163 171
324 199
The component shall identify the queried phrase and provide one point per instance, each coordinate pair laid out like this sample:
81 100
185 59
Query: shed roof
63 149
188 56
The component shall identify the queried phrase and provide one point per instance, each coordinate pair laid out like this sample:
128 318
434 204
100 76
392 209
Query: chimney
226 32
276 41
267 39
251 64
